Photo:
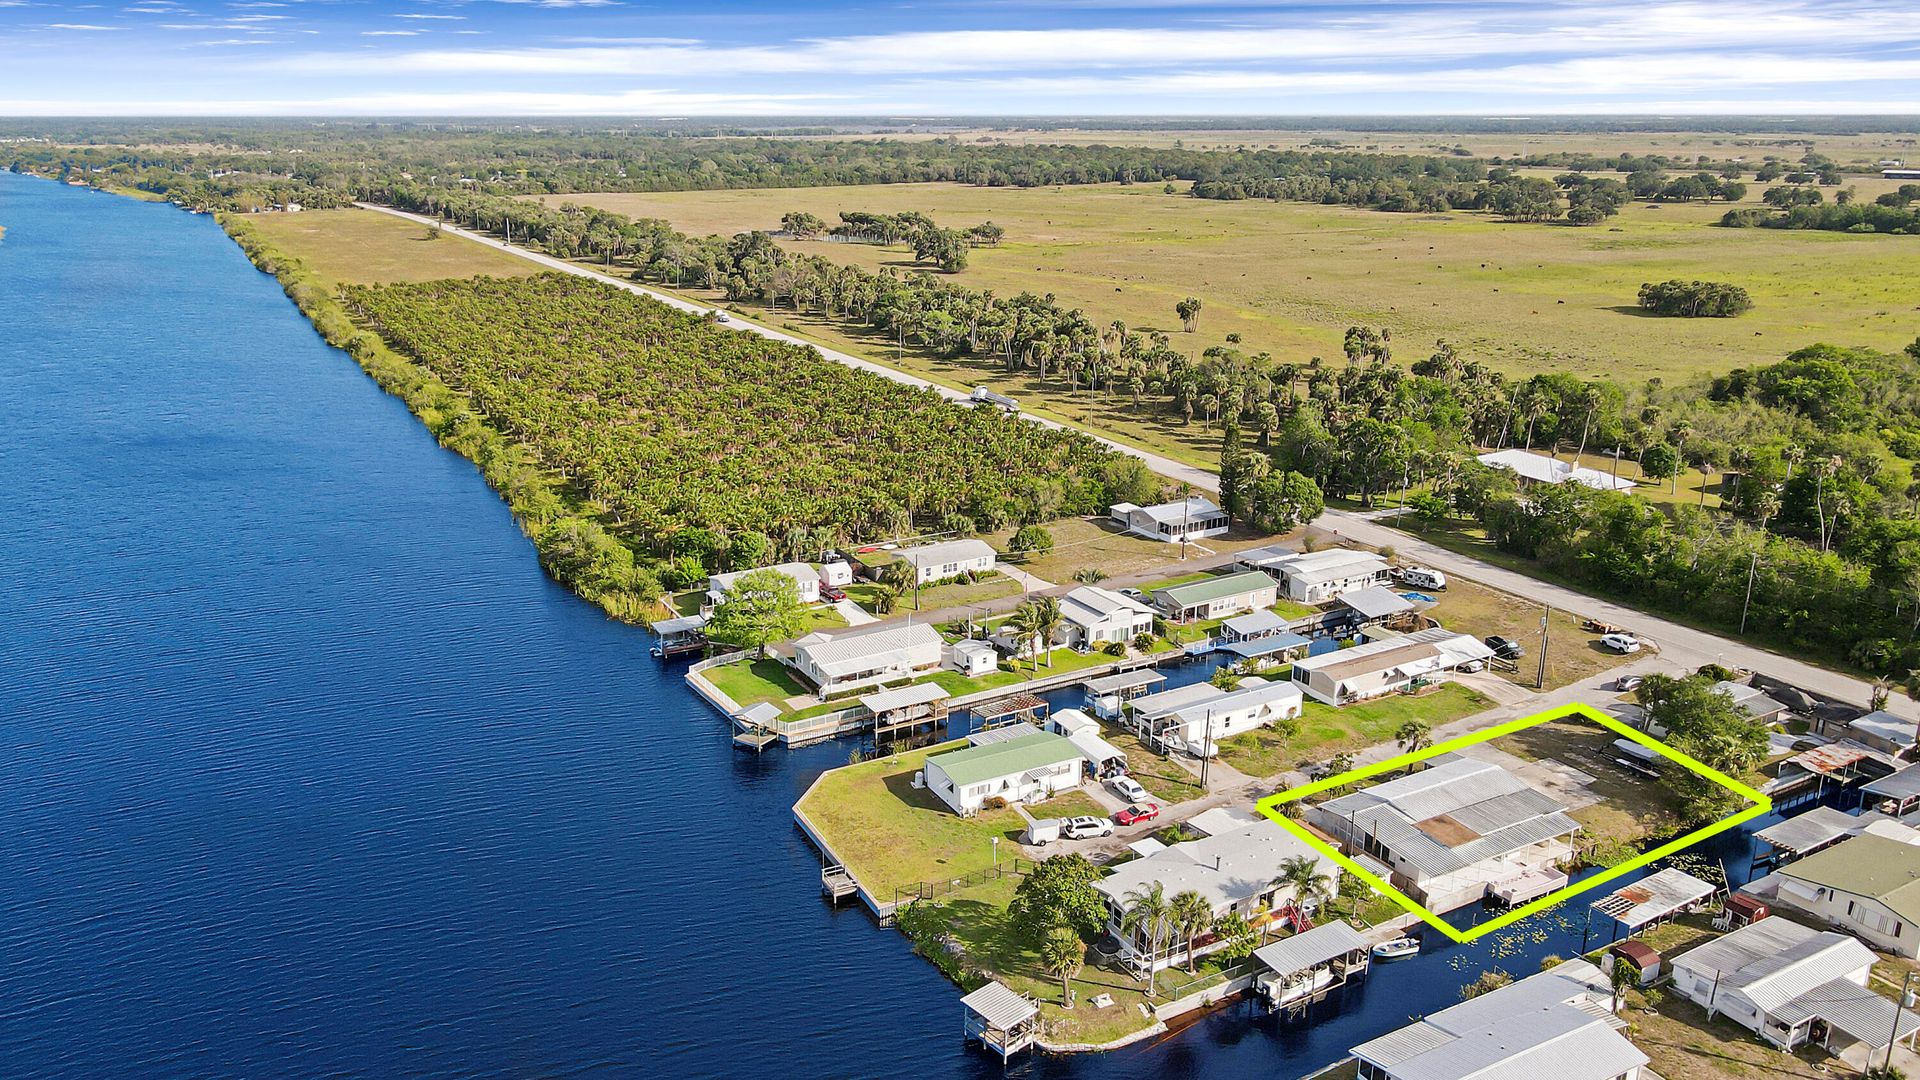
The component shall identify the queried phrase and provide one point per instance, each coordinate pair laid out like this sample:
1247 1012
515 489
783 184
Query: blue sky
720 57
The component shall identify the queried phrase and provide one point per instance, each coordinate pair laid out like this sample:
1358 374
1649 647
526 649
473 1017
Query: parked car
832 594
1128 788
1135 593
1506 648
1137 813
1621 643
1626 683
1422 578
1086 828
1472 666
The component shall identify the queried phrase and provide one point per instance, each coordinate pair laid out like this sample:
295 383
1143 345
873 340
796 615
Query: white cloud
418 15
390 33
489 103
90 27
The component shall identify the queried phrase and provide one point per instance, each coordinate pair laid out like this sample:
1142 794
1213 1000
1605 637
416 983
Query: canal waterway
309 771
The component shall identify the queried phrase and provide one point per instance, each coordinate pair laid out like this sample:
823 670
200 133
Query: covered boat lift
686 634
901 713
1012 709
1899 794
1000 1020
1308 966
1816 830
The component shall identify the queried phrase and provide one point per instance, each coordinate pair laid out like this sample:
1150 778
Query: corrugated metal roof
1654 897
1855 1010
1126 680
1817 827
1033 750
1885 725
1000 1007
1255 622
1167 702
948 551
1775 960
1501 812
1375 602
1902 785
1266 646
1225 868
868 644
915 694
1316 946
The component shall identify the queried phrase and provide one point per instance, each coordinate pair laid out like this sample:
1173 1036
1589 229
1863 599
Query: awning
1001 1008
1267 646
1857 1011
680 625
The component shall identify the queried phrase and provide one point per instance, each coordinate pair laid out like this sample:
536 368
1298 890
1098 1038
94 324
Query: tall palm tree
1039 619
1061 956
1190 914
1302 874
1414 736
1147 912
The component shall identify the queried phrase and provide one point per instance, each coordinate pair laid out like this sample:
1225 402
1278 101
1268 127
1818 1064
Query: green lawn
1165 781
1326 730
1074 803
960 594
889 834
980 921
749 682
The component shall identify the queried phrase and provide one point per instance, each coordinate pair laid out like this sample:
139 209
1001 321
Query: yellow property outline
1270 806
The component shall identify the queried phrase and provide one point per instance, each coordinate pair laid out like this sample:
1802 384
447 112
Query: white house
868 656
1558 1024
1217 597
1387 665
1233 870
1777 978
1868 886
1534 468
1102 757
950 559
1193 519
1027 768
1455 833
1314 577
806 581
1254 704
1093 616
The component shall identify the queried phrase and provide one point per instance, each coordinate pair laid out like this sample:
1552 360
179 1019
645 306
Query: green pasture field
361 247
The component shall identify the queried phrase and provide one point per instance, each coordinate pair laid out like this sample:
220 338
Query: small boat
1285 990
1397 948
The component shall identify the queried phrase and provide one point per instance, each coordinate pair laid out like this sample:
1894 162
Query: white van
1422 578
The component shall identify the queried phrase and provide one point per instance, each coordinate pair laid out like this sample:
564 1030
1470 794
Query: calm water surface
309 771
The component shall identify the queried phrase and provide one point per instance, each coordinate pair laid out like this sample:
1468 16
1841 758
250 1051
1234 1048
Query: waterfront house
1029 767
1558 1024
1092 616
806 581
1531 468
1868 886
1388 665
1791 984
1194 518
1315 577
1456 832
1234 871
1883 731
868 655
1216 597
1102 757
949 559
1255 703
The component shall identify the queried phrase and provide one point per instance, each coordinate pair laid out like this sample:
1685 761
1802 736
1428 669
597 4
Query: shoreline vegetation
546 509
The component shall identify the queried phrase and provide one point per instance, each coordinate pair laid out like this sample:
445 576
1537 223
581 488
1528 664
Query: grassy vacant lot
1097 543
1630 807
1573 654
363 247
888 834
1326 730
1289 278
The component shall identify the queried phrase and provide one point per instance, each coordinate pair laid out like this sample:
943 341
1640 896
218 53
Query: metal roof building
1654 897
1556 1024
1325 942
1376 602
1448 817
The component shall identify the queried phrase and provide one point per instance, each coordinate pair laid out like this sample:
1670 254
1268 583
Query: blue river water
308 770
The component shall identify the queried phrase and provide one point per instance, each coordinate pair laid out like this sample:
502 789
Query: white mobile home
1254 704
868 656
1031 767
1194 519
1314 577
1532 468
950 559
1778 979
1455 833
1388 665
806 581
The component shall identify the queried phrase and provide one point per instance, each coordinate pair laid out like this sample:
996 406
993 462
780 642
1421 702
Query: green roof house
1025 768
1868 886
1217 597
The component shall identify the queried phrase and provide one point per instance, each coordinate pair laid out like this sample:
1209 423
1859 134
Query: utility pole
1540 680
1751 569
1899 1003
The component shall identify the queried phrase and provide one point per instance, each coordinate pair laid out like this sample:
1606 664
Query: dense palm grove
674 425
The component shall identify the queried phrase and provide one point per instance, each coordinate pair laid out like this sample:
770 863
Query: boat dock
836 884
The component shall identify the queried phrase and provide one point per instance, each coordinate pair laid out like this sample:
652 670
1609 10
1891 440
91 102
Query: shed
1000 1020
1642 956
972 657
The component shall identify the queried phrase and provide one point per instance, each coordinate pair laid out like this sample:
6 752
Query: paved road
1681 644
1199 478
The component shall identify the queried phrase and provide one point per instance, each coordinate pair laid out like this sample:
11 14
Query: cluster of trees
1695 299
1707 726
945 248
1802 208
684 435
